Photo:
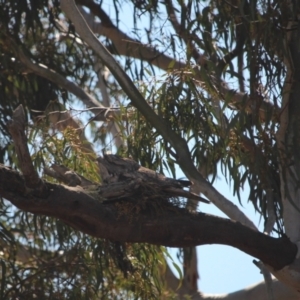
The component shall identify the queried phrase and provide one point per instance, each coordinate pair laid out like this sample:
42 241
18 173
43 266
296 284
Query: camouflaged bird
113 165
114 168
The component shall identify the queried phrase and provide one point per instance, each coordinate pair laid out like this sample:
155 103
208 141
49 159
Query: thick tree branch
171 226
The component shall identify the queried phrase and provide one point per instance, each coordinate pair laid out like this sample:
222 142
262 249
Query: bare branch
268 279
16 128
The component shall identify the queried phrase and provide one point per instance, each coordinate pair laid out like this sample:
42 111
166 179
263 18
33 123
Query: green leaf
178 269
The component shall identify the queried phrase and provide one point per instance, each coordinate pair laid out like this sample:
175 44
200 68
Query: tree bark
132 220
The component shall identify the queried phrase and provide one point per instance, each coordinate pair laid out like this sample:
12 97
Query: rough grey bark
133 220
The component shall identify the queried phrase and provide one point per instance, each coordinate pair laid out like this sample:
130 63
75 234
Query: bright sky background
222 269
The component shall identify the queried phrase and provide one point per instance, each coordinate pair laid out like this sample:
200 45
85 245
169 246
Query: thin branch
61 81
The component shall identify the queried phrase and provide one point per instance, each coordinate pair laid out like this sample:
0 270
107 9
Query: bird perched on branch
114 168
112 165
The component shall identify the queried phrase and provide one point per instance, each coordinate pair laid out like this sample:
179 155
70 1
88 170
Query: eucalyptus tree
195 86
